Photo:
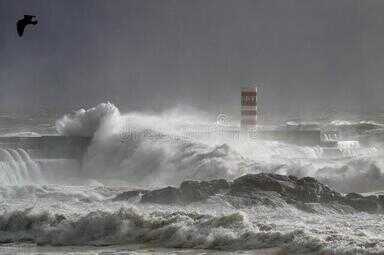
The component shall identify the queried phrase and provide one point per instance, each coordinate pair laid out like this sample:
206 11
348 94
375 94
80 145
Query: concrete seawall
49 147
63 147
299 137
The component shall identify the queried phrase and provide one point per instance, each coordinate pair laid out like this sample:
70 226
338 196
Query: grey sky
153 55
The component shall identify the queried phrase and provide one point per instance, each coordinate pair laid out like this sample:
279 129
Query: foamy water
137 150
78 216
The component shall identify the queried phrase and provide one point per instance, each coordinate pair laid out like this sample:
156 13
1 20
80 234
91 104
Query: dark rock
130 194
371 197
306 189
310 190
265 227
370 244
168 195
268 198
58 219
262 182
266 189
189 191
367 204
292 177
194 191
380 201
353 196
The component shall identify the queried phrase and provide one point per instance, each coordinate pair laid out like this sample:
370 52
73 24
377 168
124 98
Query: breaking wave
176 230
17 168
86 122
143 150
166 149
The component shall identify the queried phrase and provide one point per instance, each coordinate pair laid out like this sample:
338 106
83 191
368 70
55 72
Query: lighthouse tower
248 109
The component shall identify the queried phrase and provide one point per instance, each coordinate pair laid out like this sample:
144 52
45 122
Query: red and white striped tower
248 108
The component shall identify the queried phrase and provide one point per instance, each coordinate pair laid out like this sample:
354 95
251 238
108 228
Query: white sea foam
17 168
21 134
86 122
177 230
150 150
158 150
210 225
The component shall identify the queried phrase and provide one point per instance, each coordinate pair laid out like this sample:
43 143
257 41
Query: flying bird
22 23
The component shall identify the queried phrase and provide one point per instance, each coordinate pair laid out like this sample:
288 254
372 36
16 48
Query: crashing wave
86 122
173 229
245 210
176 230
159 159
353 130
157 150
17 168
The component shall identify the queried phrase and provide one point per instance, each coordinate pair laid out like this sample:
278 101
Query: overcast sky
153 55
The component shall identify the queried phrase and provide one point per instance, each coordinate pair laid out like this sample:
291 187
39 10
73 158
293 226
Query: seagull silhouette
22 23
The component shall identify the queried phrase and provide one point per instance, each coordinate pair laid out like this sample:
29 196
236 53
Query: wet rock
265 227
306 189
310 190
58 219
126 195
262 182
380 199
261 189
266 198
168 195
369 204
194 191
353 196
189 191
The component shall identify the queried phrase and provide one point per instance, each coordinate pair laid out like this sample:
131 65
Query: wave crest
86 122
172 230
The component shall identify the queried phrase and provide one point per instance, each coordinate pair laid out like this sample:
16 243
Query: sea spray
177 230
87 122
17 168
157 150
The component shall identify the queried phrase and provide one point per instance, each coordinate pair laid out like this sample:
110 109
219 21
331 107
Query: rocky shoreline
263 188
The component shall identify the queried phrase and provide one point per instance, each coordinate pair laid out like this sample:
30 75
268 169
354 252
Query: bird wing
29 17
20 25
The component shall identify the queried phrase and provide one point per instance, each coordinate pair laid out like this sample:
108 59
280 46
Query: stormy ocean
152 184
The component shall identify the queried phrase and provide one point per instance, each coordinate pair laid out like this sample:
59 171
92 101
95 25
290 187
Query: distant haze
151 55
